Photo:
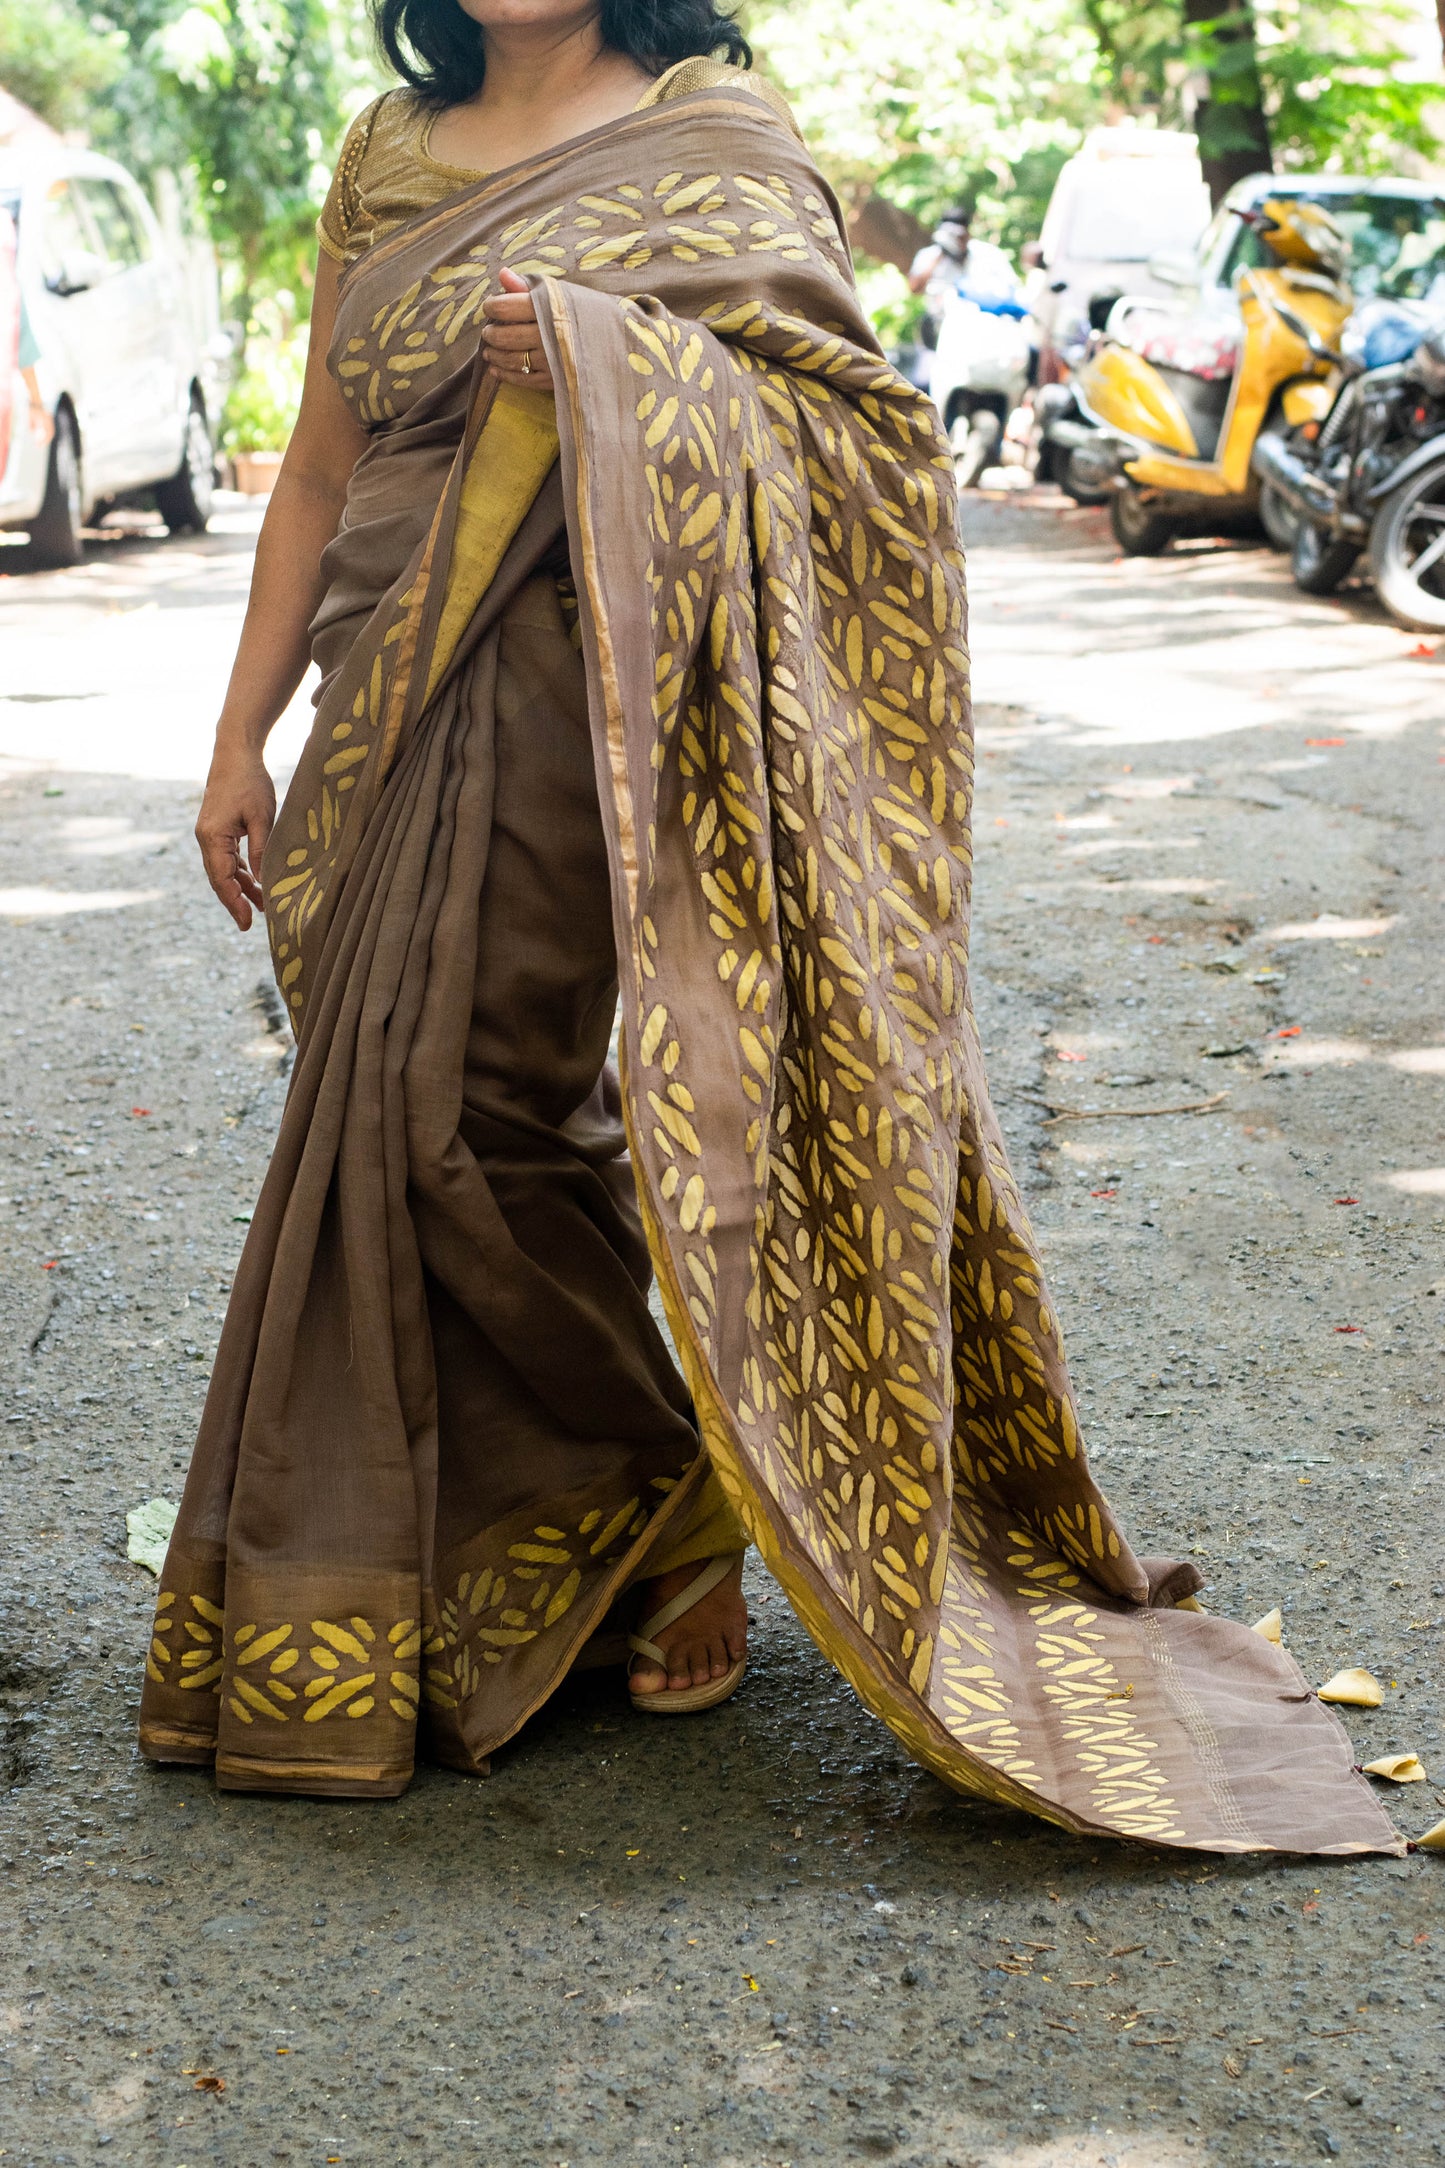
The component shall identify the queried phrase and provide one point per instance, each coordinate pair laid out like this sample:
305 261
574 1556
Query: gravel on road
1209 839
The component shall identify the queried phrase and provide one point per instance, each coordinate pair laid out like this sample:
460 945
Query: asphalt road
1209 833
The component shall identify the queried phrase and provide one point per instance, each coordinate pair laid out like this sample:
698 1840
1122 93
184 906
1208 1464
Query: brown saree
442 1434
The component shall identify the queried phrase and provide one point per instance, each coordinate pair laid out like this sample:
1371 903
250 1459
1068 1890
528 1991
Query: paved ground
1209 830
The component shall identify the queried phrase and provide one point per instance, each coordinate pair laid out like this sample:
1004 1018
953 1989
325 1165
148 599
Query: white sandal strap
713 1571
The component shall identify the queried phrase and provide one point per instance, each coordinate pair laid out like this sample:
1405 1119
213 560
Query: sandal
685 1700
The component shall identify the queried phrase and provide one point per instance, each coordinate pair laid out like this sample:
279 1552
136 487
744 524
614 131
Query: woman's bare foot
701 1645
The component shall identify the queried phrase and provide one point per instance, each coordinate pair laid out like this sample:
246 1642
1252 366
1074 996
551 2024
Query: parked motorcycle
1168 408
981 369
1373 474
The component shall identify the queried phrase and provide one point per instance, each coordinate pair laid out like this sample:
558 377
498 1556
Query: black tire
1320 561
55 538
1138 530
1081 492
184 501
1278 517
1409 532
972 438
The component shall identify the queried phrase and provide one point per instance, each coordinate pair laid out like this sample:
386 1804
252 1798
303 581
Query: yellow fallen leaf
1399 1768
1271 1626
1433 1839
1357 1689
1189 1603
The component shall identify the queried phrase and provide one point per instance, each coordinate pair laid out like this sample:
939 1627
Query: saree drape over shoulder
665 679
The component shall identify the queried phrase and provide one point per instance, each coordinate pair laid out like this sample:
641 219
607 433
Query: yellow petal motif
1271 1626
1189 1603
1433 1839
1356 1689
1399 1768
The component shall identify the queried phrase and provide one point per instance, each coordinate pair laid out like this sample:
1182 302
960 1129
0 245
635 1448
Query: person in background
41 424
953 261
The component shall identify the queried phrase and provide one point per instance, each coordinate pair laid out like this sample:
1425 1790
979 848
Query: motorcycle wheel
971 439
1407 550
1279 519
1138 530
1320 562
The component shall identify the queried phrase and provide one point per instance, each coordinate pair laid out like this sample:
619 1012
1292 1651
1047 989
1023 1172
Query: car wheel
184 501
1407 551
1138 529
55 539
1320 562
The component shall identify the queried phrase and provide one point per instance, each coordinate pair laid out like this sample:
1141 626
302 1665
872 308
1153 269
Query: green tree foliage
985 99
243 99
55 61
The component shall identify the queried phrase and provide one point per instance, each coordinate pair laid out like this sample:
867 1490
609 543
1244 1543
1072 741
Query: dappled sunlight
1328 928
1091 2149
1419 1060
1149 786
70 902
1106 844
1317 1053
1419 1181
104 835
1162 885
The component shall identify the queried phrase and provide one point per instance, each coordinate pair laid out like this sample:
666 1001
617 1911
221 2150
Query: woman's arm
303 515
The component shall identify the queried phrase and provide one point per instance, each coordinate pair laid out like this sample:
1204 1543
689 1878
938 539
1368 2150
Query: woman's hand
240 800
510 337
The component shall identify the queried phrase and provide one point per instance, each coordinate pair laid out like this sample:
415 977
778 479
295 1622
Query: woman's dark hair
438 50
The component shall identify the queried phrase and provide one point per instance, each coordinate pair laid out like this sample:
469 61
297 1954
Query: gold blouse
386 173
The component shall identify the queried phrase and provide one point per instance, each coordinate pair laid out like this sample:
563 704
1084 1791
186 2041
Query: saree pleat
443 1435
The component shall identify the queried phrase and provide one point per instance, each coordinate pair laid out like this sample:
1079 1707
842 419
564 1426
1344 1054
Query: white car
127 366
1126 196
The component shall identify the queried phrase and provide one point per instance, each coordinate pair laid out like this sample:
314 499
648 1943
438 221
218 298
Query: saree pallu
760 521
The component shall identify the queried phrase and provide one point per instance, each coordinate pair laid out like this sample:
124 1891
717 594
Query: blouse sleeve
342 207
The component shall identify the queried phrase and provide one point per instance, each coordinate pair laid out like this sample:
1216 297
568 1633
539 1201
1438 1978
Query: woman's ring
526 361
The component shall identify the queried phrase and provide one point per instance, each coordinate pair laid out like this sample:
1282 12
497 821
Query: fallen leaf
50 1264
750 1982
1271 1626
1062 1054
1349 1328
1399 1768
1103 1192
148 1531
140 1113
1234 2068
637 1854
1290 1031
1324 741
1356 1689
1433 1839
1421 652
209 2085
1347 1200
1128 1949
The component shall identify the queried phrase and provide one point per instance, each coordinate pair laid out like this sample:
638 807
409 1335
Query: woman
633 577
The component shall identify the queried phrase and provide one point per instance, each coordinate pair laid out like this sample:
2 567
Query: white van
129 378
1127 195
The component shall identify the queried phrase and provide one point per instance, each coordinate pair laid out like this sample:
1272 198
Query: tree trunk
882 229
1230 121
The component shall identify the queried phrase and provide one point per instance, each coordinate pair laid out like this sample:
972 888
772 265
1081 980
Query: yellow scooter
1169 408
